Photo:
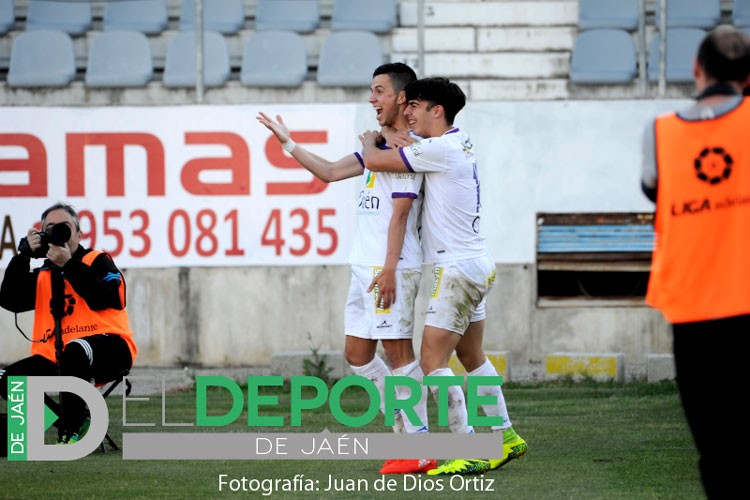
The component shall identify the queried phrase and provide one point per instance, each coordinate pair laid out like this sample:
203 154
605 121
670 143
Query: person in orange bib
85 291
697 170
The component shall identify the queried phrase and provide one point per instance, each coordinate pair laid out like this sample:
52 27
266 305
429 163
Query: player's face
419 117
385 100
62 217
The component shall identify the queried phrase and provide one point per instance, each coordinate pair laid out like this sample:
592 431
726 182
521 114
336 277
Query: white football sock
414 371
492 410
376 371
457 415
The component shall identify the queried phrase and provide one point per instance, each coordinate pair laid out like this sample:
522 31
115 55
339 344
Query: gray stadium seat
378 16
603 56
348 58
691 13
682 45
7 16
179 68
42 58
274 59
741 13
224 16
147 16
622 14
119 59
73 18
302 16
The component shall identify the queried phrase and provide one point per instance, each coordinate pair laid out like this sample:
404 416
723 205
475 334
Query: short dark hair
724 54
438 91
400 74
68 208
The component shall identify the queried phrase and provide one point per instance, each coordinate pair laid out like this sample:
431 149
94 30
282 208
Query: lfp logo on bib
29 418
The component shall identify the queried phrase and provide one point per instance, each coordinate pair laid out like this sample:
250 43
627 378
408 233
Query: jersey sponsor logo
416 149
370 181
368 202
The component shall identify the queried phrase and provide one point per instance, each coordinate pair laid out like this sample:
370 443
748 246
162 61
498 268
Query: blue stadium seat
147 16
7 15
603 56
274 59
119 59
224 16
703 14
682 45
42 58
741 13
348 58
622 14
179 69
378 16
73 18
302 16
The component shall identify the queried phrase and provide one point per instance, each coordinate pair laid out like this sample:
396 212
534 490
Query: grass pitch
586 441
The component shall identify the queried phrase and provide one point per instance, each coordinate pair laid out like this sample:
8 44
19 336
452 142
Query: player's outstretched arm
325 170
380 160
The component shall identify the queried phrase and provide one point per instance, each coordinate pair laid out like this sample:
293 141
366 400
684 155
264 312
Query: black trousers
97 358
711 362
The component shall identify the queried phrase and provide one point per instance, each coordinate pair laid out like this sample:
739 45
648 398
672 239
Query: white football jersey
450 222
374 211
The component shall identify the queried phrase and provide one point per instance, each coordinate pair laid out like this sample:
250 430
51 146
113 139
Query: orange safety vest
701 261
79 320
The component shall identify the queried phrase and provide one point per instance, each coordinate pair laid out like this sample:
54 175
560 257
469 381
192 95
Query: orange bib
79 320
701 260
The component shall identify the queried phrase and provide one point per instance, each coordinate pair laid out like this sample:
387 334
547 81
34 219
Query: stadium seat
682 45
73 18
622 14
274 59
348 58
378 16
179 69
119 59
42 58
147 16
224 16
703 14
741 13
603 56
302 16
7 16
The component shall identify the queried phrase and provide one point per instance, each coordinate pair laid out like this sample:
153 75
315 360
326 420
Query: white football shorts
459 291
362 317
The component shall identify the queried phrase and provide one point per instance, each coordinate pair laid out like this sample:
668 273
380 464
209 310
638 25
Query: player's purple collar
451 131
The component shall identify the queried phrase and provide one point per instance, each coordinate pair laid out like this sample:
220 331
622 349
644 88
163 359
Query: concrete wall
242 316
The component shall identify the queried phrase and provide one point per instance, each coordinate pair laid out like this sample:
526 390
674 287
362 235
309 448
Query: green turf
586 441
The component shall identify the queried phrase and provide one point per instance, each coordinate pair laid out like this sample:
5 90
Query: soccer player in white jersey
463 271
386 258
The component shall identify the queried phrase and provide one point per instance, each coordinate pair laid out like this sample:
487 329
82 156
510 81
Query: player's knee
355 357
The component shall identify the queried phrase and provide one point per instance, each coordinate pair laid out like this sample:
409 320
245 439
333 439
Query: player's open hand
384 285
394 138
370 138
278 127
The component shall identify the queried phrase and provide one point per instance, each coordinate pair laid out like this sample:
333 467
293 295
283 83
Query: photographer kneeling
78 293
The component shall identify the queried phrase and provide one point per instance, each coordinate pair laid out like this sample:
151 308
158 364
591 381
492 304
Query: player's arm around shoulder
380 160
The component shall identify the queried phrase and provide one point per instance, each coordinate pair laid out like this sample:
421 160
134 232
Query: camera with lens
58 235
